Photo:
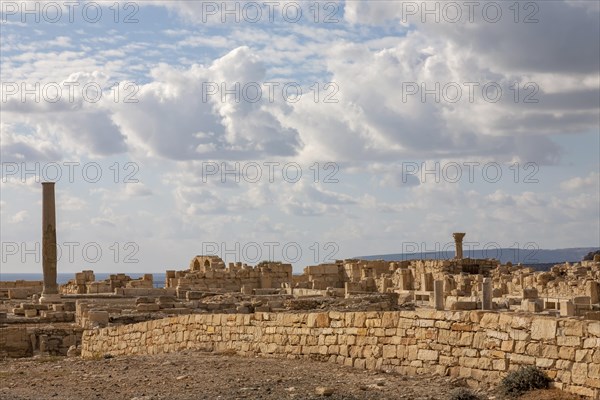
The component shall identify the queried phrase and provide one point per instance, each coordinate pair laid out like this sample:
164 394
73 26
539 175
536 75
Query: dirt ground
197 375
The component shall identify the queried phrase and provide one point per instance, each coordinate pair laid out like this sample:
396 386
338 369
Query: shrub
523 380
463 394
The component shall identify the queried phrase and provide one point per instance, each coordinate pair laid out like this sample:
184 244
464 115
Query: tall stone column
458 239
50 291
438 294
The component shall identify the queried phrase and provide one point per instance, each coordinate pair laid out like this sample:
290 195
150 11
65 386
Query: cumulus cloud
28 146
374 58
182 115
588 183
19 217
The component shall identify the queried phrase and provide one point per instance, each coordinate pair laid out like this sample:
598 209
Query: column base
50 298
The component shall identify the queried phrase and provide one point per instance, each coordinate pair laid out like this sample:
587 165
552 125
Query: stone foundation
20 341
479 346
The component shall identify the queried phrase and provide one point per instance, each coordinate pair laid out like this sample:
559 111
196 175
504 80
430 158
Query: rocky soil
197 375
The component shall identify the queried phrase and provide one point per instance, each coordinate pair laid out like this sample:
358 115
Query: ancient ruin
470 318
50 292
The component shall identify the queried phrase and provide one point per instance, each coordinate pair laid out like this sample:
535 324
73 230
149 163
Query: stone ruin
208 286
208 273
85 283
43 318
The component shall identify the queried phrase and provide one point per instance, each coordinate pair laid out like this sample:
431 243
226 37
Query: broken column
592 289
438 294
486 294
50 291
427 282
458 239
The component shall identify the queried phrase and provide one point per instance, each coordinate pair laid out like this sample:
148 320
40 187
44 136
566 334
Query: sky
296 131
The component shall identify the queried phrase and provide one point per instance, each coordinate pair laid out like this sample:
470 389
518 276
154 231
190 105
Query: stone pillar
592 289
458 239
405 280
567 308
427 282
438 294
486 294
50 291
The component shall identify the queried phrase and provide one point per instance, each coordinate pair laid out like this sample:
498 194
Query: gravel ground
197 375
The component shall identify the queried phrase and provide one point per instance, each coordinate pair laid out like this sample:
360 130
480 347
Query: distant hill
523 256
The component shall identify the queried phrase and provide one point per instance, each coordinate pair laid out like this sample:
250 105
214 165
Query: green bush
463 394
523 380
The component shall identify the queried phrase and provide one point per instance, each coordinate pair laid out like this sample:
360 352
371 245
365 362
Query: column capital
458 236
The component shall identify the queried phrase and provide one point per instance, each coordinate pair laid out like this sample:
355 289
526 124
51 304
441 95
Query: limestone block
390 319
549 351
31 313
566 353
543 329
594 371
489 320
99 317
530 293
500 364
571 341
464 305
508 346
147 307
428 355
593 328
544 362
22 293
522 359
143 300
317 320
519 334
567 308
572 328
579 373
532 305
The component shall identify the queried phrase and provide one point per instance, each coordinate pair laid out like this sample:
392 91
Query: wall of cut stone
19 289
21 341
479 346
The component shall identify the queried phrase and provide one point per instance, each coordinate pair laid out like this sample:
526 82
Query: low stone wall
20 341
19 289
15 343
479 346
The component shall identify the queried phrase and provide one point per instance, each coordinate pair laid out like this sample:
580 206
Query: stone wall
85 283
380 275
234 278
21 341
19 289
479 346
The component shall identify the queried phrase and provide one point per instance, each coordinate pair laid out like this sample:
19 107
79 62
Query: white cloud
368 132
589 183
19 217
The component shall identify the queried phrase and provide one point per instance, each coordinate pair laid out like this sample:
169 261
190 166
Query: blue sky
160 200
